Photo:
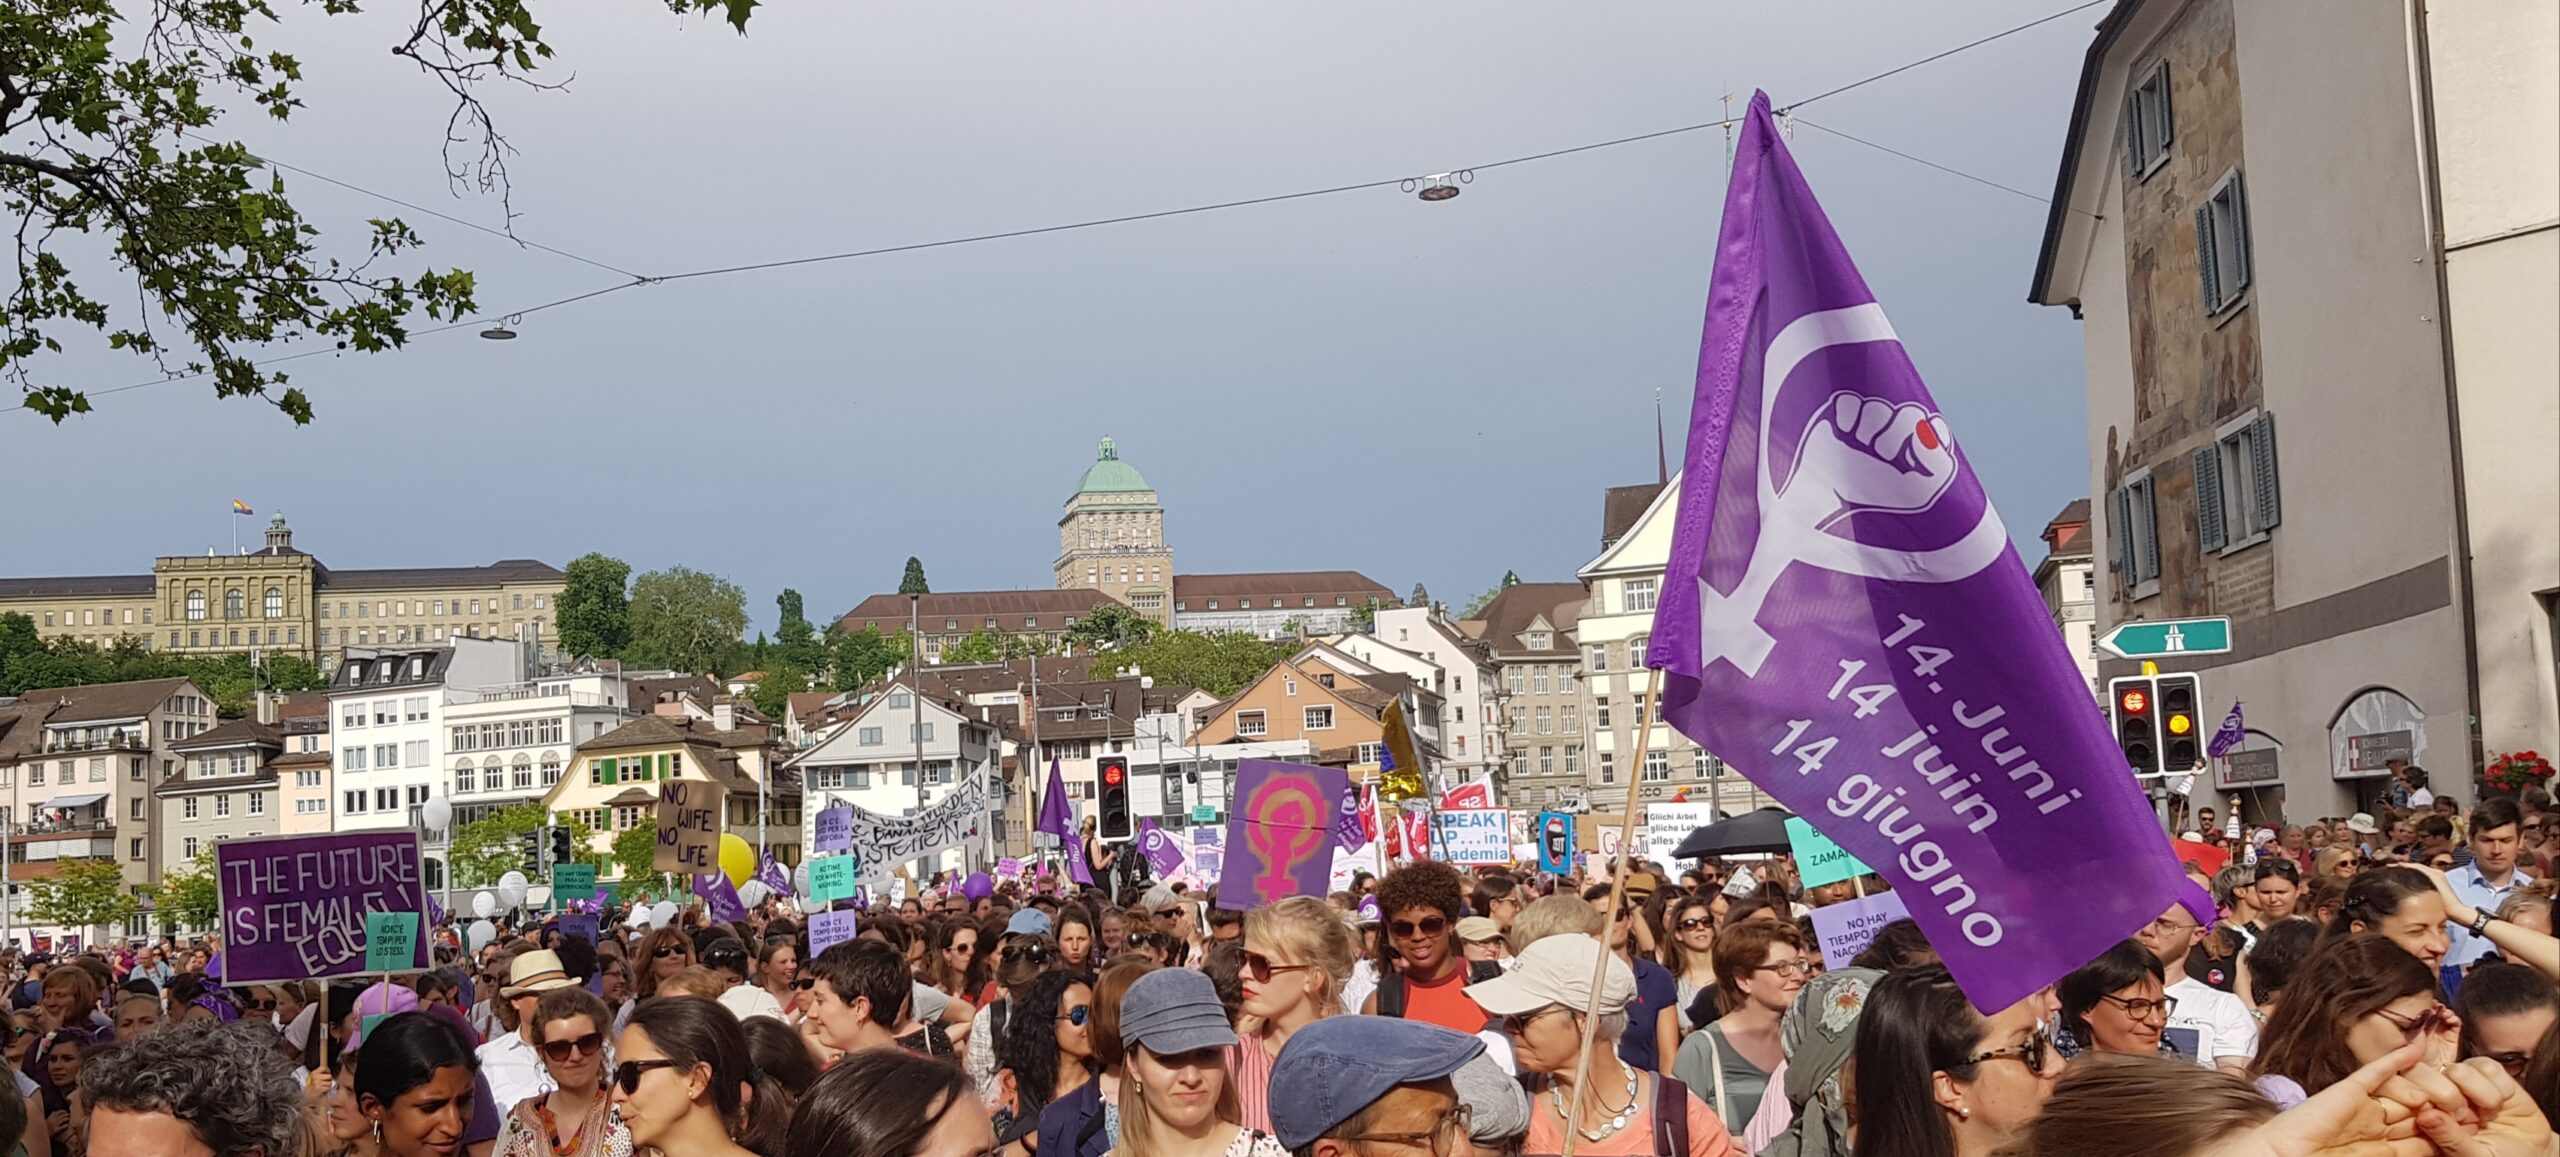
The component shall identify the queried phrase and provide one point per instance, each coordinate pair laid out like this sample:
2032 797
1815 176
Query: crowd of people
2324 990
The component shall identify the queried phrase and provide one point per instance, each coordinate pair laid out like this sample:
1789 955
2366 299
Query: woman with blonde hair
1297 959
1179 1099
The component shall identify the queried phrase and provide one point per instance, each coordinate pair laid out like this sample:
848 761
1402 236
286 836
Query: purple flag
2228 735
1844 620
435 912
1057 816
719 897
1162 853
1348 831
777 879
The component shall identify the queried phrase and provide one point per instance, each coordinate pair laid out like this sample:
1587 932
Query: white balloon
483 904
438 813
511 889
664 914
516 880
800 879
481 933
638 919
752 893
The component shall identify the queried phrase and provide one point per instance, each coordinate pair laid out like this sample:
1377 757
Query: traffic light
531 845
1114 824
563 849
2133 704
2181 732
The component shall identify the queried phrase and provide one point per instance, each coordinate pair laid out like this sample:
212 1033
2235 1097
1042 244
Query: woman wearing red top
1421 903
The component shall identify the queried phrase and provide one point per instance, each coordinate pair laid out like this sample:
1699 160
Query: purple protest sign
776 878
1845 621
1280 832
834 830
1157 845
828 929
293 907
1348 831
720 898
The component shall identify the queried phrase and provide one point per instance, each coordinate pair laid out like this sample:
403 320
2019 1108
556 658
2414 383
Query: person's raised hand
2354 1118
2504 1121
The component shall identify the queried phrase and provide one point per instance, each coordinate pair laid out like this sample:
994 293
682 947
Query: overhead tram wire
637 280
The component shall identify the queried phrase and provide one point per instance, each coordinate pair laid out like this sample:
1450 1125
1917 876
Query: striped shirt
1252 1079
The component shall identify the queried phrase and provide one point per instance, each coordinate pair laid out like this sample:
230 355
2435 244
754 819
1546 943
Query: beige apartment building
78 769
2341 221
278 599
1529 629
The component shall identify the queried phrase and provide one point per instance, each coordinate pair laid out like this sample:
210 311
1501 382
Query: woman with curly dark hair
1421 904
1047 1051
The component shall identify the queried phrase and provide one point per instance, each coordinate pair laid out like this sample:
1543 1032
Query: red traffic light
1112 774
2134 702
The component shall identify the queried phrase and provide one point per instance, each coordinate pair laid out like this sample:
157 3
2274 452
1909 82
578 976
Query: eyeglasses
562 1050
1518 1023
1796 967
666 950
1443 1132
1694 923
2032 1053
1260 967
627 1074
1077 1015
2167 927
2144 1009
2416 1026
1407 929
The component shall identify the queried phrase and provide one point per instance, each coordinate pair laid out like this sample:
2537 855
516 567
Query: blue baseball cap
1027 922
1338 1066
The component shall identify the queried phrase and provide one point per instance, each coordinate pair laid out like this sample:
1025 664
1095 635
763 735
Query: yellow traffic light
2181 724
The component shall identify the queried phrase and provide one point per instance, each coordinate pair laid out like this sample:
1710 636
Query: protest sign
831 878
886 841
1554 839
1163 855
828 929
578 924
1208 852
720 898
1845 928
1471 835
1845 620
1009 867
1818 860
294 907
572 882
1666 824
390 941
1281 825
688 827
835 830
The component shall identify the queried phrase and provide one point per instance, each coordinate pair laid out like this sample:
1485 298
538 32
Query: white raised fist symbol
1867 454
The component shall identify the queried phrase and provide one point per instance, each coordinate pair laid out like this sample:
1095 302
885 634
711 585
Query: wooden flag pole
1617 894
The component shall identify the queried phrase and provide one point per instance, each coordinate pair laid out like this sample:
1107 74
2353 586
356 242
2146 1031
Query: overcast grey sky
1432 392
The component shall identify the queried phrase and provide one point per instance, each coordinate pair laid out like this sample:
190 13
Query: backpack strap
1671 1115
1391 994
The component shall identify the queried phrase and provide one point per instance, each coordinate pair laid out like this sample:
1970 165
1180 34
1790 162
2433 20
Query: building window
1573 759
221 807
414 708
1635 651
386 799
466 778
1546 761
1657 766
187 808
920 733
135 851
275 603
2137 536
1538 679
351 759
2148 127
2236 489
550 768
306 779
414 753
2222 244
869 736
354 802
190 846
1540 640
1546 721
1369 753
1319 718
1252 723
1600 714
1564 678
195 605
1517 680
257 803
386 756
233 605
1608 768
1639 595
898 701
136 810
1568 719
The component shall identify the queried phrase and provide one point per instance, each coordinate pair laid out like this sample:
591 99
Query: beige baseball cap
1478 929
1557 970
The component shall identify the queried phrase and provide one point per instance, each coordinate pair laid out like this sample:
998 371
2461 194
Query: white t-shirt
2220 1023
2422 798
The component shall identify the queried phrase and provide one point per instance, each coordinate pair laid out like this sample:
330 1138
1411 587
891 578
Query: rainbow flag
239 507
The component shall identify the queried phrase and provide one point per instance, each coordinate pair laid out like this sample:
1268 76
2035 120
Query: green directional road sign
2169 638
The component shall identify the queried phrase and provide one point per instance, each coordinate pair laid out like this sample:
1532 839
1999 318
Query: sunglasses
1695 923
1260 967
2033 1054
805 983
2416 1026
1169 913
1518 1023
1034 953
1077 1015
666 950
626 1075
562 1050
1407 929
268 1005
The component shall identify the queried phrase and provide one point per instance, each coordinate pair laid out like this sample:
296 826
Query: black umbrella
1764 830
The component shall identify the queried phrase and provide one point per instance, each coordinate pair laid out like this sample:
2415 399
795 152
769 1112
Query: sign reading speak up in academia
294 907
688 827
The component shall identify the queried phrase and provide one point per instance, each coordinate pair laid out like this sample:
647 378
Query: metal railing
120 741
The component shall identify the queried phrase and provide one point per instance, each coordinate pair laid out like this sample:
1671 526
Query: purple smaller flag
777 879
1057 816
1348 831
720 897
1162 853
2227 736
435 912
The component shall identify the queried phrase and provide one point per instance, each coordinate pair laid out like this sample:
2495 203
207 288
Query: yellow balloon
737 859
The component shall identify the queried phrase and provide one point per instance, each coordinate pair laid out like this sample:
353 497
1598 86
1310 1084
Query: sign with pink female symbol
1280 832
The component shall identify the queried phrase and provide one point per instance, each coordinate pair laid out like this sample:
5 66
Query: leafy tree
987 645
82 893
594 613
797 638
860 658
231 679
635 849
1475 606
1365 616
913 581
486 849
685 619
108 166
1111 625
1220 664
773 692
188 895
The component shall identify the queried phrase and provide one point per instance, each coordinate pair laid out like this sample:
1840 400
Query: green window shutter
2209 528
666 765
607 766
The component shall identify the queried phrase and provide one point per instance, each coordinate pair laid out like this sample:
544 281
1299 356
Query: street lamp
498 331
1438 186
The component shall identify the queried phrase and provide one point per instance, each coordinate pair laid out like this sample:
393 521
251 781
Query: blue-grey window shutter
2209 529
2240 231
2168 123
2133 133
2150 515
2262 460
2204 258
2122 525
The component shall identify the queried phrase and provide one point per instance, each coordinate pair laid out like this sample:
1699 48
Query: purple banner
1163 854
293 907
1845 621
720 898
1280 832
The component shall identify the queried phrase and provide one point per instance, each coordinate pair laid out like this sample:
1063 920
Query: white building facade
387 728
